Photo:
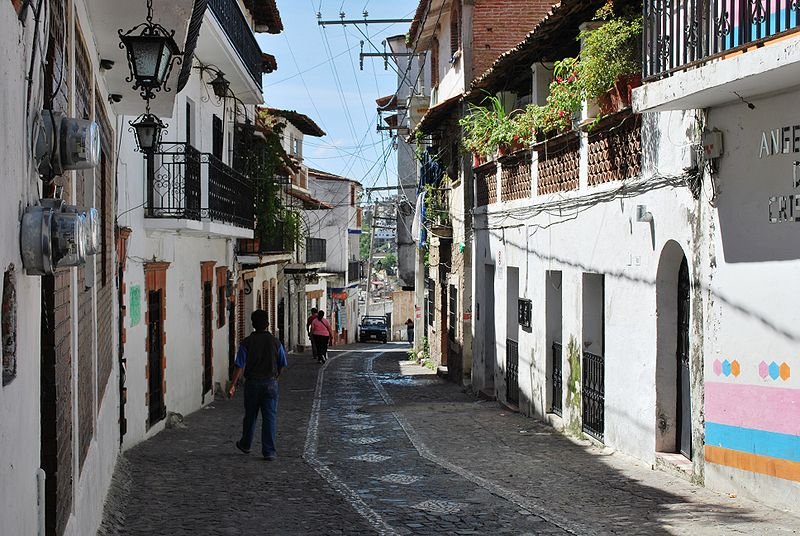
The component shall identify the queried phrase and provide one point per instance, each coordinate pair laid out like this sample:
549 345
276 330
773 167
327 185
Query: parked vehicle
373 327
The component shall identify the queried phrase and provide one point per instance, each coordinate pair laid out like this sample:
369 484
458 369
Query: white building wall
752 270
600 237
19 399
185 246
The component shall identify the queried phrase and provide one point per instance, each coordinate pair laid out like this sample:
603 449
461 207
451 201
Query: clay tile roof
309 202
268 63
434 115
387 103
553 38
266 16
324 175
304 123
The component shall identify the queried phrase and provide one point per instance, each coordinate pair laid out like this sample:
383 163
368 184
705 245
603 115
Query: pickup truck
373 327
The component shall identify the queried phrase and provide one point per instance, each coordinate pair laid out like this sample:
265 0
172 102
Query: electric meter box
66 143
92 225
54 235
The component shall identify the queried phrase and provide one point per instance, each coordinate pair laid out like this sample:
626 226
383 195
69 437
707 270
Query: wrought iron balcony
179 176
240 34
680 33
274 242
316 250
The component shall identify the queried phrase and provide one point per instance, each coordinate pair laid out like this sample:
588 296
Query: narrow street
371 443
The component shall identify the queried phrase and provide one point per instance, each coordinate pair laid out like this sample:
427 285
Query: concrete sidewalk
587 489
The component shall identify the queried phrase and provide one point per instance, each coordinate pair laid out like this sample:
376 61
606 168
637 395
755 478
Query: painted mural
753 417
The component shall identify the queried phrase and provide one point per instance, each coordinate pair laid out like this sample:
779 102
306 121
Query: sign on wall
135 304
777 142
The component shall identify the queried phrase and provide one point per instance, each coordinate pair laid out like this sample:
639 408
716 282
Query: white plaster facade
341 228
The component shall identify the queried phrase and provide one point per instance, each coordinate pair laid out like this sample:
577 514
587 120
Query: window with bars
430 299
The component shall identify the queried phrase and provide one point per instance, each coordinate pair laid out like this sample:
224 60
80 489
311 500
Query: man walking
261 358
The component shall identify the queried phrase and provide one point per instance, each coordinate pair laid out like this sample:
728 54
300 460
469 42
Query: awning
303 123
387 103
309 203
434 115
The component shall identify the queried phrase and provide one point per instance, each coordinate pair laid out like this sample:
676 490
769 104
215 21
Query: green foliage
564 100
390 261
419 147
487 127
610 51
436 201
363 241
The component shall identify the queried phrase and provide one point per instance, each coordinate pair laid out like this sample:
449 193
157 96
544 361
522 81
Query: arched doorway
673 377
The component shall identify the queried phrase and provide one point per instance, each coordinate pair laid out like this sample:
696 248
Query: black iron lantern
151 51
147 129
220 85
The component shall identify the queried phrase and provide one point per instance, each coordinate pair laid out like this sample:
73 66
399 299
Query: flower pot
623 88
606 102
517 144
477 160
503 150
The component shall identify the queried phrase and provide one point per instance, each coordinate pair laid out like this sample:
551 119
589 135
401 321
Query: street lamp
151 51
147 129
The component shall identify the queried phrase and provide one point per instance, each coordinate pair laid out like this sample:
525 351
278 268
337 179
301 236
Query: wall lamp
643 215
151 52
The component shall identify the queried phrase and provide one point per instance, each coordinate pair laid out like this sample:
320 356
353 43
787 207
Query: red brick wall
56 371
104 201
499 25
84 196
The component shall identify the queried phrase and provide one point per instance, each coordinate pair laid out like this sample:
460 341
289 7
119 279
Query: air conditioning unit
66 143
55 235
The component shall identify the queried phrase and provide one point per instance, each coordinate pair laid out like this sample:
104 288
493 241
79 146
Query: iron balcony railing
678 33
353 271
315 250
175 183
230 195
274 241
233 22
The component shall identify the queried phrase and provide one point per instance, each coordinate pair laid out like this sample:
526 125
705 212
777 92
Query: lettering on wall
782 141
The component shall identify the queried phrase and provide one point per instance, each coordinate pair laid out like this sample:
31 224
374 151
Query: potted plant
610 61
557 114
486 128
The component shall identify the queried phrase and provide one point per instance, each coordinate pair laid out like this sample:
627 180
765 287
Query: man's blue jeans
260 395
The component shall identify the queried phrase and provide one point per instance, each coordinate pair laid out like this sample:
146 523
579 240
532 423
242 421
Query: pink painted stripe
772 409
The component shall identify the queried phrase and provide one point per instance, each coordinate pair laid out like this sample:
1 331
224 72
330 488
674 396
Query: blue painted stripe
773 444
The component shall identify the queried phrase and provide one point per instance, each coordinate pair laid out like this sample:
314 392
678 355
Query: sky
318 75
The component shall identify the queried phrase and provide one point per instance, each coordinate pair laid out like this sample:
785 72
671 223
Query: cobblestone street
373 444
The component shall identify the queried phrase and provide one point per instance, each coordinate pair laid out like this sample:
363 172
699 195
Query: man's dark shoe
271 457
238 446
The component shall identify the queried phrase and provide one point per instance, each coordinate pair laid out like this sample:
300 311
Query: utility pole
369 260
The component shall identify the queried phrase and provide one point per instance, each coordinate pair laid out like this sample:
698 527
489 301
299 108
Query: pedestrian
321 333
410 330
261 358
308 329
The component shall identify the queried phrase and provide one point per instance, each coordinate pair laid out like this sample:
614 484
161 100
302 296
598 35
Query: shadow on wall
757 175
791 335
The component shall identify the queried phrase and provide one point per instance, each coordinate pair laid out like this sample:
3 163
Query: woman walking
321 333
